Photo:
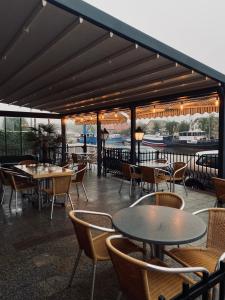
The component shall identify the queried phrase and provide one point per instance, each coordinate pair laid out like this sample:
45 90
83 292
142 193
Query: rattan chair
94 247
125 169
18 183
208 256
78 178
154 176
60 186
177 174
141 280
5 182
135 177
219 185
162 199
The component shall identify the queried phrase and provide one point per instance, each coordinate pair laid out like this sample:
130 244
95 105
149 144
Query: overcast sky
195 27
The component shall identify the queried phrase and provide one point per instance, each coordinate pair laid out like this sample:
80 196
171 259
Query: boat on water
191 139
114 138
156 140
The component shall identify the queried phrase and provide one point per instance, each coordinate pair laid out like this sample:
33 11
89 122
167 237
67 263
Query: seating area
48 256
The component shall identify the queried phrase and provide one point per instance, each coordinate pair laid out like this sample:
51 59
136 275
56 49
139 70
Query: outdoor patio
37 255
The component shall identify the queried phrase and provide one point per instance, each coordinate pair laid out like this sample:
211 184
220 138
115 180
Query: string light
181 106
154 109
103 116
91 118
116 114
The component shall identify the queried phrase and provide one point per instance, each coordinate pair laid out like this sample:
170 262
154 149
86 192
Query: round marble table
159 225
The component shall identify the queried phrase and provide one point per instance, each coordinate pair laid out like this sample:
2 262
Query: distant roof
66 56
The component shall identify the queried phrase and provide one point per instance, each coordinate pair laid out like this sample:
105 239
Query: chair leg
119 296
3 194
78 195
53 200
75 267
71 203
131 183
93 281
121 186
185 187
85 192
10 200
16 201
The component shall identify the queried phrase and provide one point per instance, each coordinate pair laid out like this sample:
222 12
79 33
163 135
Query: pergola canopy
66 56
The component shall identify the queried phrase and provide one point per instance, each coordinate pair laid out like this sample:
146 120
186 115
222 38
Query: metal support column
132 135
99 146
221 171
63 133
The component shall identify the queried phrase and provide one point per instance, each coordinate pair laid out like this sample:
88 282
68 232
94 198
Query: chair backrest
83 233
179 169
79 174
216 229
126 171
61 185
148 174
168 199
4 176
28 162
219 185
131 273
74 158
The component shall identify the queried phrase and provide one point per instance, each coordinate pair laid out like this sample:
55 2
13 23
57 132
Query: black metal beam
99 147
132 135
147 101
63 133
24 114
221 171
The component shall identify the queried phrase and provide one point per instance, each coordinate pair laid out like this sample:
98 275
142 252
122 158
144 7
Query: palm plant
44 140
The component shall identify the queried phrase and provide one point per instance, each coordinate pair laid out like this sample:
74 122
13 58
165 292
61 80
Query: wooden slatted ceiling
56 61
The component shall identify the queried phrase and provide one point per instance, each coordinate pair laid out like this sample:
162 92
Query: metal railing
203 288
200 167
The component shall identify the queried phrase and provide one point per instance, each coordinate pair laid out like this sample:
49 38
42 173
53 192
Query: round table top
159 224
154 164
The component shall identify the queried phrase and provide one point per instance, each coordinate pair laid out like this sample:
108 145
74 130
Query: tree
171 127
183 126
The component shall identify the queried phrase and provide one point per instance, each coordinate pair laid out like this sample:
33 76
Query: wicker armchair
177 174
78 178
5 182
154 176
18 183
208 256
135 176
125 169
163 199
219 185
140 280
60 186
94 247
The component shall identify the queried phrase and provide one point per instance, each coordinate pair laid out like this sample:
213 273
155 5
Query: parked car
201 168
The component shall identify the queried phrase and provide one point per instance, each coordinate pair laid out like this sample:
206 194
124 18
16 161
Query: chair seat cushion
196 257
166 284
123 245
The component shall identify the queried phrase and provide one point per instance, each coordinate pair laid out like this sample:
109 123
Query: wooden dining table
42 171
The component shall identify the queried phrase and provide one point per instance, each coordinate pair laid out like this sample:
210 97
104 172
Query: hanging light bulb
116 114
181 106
103 116
82 119
91 118
154 109
217 102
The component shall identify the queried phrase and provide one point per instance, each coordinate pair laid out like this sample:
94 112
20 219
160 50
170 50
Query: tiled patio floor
37 255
